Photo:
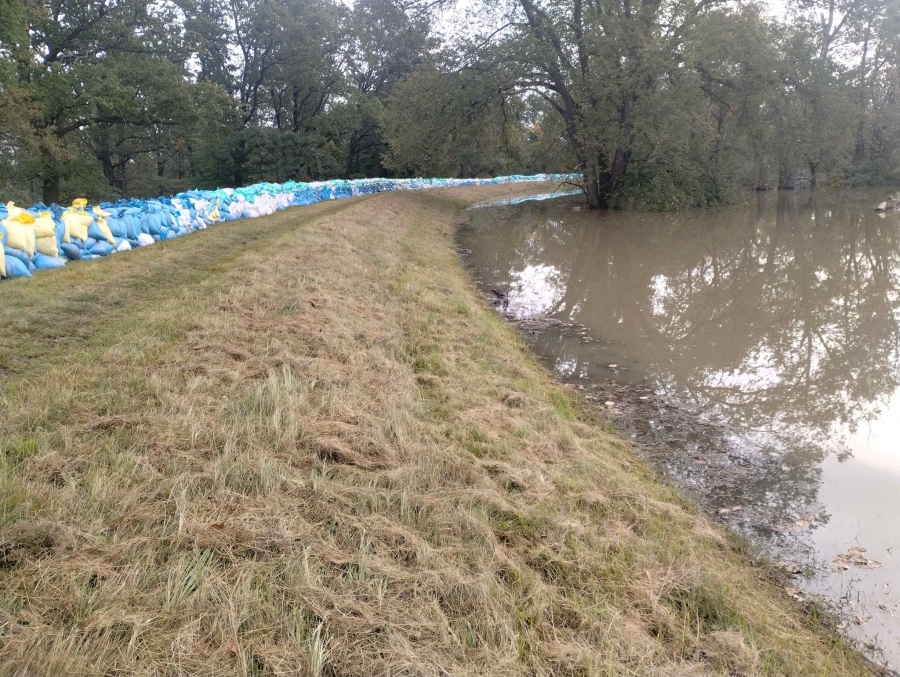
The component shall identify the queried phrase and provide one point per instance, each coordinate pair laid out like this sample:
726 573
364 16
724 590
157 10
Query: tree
452 124
66 78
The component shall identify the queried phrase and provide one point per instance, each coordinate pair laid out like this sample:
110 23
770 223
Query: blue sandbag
71 250
116 227
17 254
44 262
95 232
159 218
102 248
153 223
15 268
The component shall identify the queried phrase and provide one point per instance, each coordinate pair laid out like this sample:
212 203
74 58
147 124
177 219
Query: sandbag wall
41 237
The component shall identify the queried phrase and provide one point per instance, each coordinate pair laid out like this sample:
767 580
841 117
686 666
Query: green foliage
662 104
452 124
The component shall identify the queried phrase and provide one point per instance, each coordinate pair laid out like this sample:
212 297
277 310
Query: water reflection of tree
778 317
774 319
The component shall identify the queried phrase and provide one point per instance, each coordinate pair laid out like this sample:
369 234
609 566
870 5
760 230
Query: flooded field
752 352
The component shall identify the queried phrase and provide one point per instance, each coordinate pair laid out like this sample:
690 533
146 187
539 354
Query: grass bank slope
304 446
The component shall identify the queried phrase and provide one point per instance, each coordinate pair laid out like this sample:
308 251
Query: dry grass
303 446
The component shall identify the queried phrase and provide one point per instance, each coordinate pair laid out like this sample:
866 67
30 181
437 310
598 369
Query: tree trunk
592 190
812 174
239 155
763 182
49 179
50 192
787 177
108 170
351 156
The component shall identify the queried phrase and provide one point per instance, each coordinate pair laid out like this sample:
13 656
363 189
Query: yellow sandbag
103 226
45 231
13 210
76 224
44 225
214 214
47 246
79 204
21 236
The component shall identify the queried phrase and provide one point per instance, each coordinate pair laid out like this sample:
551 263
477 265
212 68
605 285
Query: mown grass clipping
310 448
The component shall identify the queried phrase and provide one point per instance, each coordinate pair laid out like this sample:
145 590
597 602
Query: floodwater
753 352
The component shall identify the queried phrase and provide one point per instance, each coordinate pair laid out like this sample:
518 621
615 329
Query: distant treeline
659 103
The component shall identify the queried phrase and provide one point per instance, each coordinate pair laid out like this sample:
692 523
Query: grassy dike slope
304 446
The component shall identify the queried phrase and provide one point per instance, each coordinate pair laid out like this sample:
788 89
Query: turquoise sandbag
15 268
132 225
151 222
71 250
90 242
44 262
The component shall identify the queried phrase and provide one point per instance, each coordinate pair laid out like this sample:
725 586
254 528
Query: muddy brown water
752 352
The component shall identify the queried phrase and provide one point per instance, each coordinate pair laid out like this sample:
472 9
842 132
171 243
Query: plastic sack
19 232
42 262
15 268
72 251
36 239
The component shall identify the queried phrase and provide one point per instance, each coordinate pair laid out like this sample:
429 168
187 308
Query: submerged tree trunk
787 177
763 181
592 190
600 183
812 173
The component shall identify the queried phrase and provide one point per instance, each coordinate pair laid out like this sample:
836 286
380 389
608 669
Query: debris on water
725 511
855 556
790 568
891 205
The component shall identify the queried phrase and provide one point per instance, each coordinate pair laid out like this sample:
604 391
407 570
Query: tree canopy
658 103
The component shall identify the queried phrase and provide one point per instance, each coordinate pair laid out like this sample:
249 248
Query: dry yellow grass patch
304 446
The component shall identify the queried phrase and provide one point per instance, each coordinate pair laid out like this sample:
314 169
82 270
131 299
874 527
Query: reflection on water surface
773 327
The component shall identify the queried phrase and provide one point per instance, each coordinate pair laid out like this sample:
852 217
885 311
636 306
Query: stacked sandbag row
44 237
